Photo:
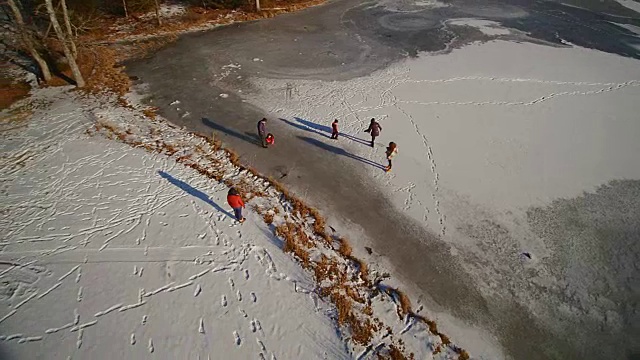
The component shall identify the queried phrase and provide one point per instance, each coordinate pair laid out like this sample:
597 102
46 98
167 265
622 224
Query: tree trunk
67 24
77 76
258 5
28 41
158 13
124 6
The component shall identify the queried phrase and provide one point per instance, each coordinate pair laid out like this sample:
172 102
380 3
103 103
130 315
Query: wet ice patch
411 6
487 27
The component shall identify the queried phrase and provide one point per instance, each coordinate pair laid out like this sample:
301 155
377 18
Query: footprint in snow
236 338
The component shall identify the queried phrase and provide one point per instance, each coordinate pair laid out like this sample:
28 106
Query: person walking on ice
235 201
334 129
374 129
392 150
262 131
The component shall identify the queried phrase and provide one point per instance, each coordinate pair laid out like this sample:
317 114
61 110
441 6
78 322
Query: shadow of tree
194 192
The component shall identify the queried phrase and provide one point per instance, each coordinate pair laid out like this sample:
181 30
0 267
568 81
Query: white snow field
485 134
110 251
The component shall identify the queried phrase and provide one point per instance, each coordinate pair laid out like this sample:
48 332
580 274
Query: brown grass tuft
150 112
268 218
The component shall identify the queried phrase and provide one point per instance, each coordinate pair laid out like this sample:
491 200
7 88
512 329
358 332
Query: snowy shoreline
163 219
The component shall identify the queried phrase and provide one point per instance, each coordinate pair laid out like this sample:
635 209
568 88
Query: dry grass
268 218
150 112
12 90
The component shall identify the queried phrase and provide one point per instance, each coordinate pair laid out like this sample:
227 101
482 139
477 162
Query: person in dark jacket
374 129
334 129
262 131
235 201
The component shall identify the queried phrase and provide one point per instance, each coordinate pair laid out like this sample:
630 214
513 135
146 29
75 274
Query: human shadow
193 192
340 151
304 128
322 129
231 132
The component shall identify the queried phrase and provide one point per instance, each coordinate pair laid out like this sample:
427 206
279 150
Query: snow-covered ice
487 134
631 4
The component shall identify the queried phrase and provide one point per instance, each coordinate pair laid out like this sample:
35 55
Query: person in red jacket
235 201
334 129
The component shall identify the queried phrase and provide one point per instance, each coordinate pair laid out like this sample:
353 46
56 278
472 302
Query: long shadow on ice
340 151
193 192
321 130
247 136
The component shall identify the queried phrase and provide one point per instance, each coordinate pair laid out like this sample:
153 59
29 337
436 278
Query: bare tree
67 23
124 6
158 13
28 41
77 75
257 5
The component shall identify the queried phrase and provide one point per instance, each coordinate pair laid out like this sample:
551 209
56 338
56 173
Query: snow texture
110 251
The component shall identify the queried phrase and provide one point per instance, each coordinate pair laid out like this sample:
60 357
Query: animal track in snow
236 338
223 301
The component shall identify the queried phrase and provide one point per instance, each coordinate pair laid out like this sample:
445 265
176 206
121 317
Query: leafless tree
67 23
77 75
27 39
257 5
124 6
158 13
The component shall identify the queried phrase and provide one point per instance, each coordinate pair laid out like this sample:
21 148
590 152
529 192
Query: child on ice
392 150
235 201
270 139
334 129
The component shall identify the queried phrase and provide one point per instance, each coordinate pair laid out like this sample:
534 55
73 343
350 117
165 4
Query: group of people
374 130
266 139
